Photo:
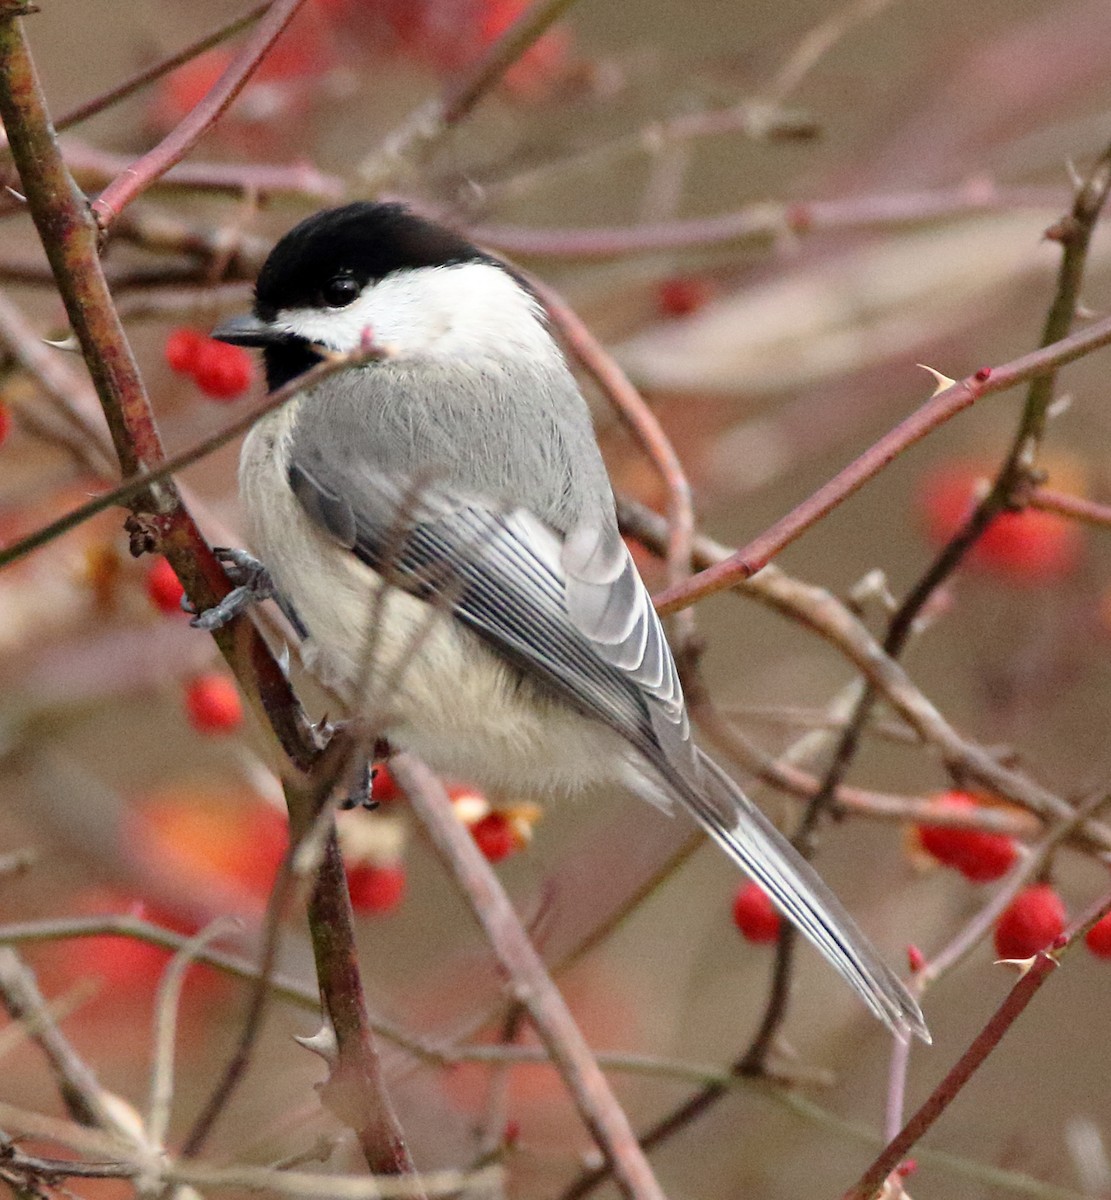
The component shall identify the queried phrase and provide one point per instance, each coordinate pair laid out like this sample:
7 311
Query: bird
437 520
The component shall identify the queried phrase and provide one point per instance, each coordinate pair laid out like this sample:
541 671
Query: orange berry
1098 938
376 889
755 915
979 856
213 705
221 371
163 587
1033 921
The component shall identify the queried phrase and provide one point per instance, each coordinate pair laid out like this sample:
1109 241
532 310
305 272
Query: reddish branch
947 1090
155 71
69 235
133 181
936 411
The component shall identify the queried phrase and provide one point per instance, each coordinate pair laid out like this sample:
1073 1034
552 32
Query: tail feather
749 838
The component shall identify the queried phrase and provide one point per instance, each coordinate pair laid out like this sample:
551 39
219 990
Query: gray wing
572 616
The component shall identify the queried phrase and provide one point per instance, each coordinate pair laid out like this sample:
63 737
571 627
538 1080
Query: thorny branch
70 238
172 149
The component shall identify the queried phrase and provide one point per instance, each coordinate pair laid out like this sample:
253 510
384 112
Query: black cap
365 241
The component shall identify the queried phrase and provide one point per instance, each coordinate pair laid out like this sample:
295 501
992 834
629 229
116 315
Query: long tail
748 837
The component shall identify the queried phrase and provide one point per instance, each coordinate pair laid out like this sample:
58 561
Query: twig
42 364
172 149
93 168
818 42
767 221
261 989
530 982
167 1005
422 132
290 990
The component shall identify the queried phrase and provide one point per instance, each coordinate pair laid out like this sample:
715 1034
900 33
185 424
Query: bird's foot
252 585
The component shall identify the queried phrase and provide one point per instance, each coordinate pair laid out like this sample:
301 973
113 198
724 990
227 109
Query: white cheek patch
469 309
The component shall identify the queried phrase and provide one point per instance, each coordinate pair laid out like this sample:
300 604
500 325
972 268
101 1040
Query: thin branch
1035 973
93 168
41 362
768 221
530 982
137 177
167 1007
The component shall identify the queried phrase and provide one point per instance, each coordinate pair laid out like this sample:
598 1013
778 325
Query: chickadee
442 525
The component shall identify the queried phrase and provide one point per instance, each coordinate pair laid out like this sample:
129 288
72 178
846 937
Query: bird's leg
252 585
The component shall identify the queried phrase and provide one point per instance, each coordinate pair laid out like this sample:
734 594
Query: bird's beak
247 330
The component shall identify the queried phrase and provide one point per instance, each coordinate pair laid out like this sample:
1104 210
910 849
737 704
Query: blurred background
888 170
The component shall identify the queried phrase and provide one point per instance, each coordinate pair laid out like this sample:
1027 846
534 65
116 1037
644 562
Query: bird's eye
340 291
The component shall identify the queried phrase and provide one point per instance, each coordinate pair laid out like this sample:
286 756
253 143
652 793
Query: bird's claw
253 584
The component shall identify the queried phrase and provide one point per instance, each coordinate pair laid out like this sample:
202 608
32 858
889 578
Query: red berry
684 294
5 423
755 915
384 789
977 855
1098 938
182 346
1027 547
495 836
213 704
221 371
1033 920
916 960
163 587
375 889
